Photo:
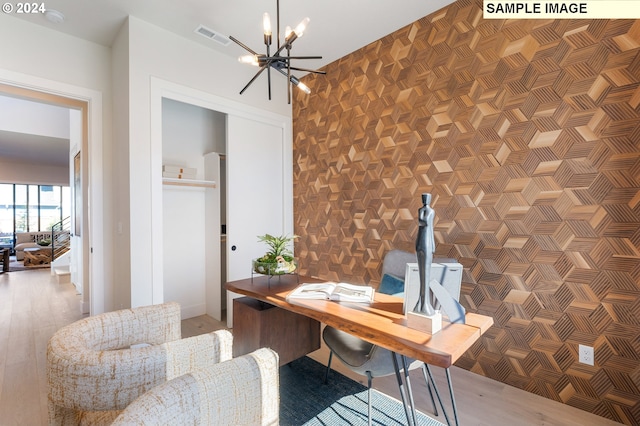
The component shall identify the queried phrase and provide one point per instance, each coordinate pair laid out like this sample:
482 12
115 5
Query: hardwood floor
33 305
480 401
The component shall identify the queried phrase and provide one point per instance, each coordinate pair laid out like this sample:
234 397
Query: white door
255 194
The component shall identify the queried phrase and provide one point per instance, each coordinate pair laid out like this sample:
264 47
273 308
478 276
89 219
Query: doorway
256 209
88 104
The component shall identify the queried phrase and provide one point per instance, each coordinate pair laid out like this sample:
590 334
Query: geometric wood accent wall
527 135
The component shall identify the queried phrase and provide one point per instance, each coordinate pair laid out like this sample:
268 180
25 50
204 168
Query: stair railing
60 237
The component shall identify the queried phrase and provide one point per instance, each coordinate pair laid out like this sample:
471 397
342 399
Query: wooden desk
381 323
258 325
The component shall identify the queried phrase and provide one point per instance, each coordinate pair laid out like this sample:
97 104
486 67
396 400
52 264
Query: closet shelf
189 182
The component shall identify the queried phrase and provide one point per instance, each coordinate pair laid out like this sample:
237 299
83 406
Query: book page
312 291
352 293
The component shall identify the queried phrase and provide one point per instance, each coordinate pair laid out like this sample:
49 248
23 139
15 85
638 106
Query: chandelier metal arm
308 70
288 74
264 67
285 74
287 46
244 46
268 68
289 57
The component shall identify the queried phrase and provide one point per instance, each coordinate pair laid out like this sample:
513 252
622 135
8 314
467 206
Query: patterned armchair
242 391
94 372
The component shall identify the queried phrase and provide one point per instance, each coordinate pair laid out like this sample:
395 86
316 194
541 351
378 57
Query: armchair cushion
242 391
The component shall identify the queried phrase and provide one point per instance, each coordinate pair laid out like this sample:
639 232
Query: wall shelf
189 182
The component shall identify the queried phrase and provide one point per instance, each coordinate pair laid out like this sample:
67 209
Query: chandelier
277 61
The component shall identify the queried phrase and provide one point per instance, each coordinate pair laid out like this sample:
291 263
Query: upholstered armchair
242 391
99 365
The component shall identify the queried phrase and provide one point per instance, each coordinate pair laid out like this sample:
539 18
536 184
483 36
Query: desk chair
373 361
363 357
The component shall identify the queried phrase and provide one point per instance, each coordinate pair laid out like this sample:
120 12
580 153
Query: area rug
306 400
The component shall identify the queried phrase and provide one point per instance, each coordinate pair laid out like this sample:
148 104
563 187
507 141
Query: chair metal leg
396 367
453 400
407 382
428 382
326 373
369 379
435 388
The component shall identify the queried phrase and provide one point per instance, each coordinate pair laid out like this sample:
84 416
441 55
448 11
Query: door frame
89 102
160 89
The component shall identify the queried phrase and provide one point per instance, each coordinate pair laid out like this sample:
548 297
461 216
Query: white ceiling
337 28
33 132
34 149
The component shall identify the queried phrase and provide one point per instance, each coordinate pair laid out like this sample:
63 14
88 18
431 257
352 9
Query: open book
340 292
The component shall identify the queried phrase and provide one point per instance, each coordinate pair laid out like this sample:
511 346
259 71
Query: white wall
33 118
189 132
39 51
122 232
154 52
12 171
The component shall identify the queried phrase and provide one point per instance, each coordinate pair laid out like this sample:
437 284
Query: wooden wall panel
527 133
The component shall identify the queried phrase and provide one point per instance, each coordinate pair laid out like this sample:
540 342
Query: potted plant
278 259
44 242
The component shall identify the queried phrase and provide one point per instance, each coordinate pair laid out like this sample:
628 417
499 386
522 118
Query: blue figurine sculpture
425 246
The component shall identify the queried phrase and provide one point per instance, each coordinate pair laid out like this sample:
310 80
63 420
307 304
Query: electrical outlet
585 354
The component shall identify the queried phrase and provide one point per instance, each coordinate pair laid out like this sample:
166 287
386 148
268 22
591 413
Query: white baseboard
84 307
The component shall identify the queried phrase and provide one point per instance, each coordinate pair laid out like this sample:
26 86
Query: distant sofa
30 240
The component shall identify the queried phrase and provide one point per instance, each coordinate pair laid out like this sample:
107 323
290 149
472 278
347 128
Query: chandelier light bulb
287 32
301 27
304 88
266 24
248 59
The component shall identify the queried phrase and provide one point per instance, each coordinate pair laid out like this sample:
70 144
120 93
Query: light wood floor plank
32 307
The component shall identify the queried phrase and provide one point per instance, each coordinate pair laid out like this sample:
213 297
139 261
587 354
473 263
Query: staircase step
63 275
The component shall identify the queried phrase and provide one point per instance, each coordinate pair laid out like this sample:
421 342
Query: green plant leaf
277 245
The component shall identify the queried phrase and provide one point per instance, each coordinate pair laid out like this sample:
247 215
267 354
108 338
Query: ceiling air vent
212 35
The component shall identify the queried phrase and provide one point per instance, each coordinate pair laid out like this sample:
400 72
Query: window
20 212
33 201
6 215
50 206
31 208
